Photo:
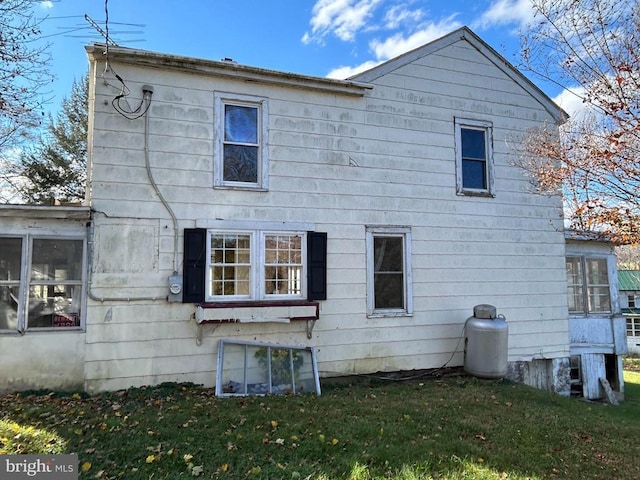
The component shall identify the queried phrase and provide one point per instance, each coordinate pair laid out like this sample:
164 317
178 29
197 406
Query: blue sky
334 38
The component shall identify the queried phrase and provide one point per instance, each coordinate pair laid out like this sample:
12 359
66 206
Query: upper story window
41 282
389 287
241 154
588 285
474 157
631 299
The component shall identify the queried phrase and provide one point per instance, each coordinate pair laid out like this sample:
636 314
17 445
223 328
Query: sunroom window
588 285
41 283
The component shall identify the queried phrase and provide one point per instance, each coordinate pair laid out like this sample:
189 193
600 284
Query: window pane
597 271
283 264
473 143
474 174
574 284
54 306
230 264
388 255
599 299
240 124
240 163
598 285
56 260
389 290
10 259
388 272
10 268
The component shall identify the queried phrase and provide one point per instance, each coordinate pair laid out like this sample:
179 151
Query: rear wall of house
339 163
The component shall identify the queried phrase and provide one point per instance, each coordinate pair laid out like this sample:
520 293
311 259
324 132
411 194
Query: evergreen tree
56 169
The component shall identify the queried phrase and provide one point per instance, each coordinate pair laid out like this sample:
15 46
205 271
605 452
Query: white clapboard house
231 207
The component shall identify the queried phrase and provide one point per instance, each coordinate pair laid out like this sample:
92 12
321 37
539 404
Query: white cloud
570 100
341 73
46 4
399 44
343 18
400 14
505 12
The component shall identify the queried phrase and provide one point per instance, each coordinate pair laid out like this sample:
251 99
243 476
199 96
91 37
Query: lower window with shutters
254 265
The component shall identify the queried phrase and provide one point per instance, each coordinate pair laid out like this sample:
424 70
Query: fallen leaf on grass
86 466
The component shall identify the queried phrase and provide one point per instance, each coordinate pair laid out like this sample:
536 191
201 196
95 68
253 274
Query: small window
241 156
256 265
41 286
388 271
631 299
633 327
588 285
474 157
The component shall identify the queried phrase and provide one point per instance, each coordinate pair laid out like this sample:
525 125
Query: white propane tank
486 343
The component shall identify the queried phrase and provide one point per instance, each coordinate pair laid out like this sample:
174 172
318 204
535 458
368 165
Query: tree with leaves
592 49
55 170
23 69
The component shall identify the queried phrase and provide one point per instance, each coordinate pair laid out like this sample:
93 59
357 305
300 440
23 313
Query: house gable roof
465 34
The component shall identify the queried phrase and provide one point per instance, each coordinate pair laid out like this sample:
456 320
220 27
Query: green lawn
431 428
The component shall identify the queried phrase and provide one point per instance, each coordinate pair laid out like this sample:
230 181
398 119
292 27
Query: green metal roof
628 280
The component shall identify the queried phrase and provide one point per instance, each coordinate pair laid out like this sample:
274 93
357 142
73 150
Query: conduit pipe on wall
147 92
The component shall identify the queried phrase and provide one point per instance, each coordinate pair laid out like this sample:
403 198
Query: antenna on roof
99 29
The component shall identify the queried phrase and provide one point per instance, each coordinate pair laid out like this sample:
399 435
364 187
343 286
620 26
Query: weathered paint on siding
341 163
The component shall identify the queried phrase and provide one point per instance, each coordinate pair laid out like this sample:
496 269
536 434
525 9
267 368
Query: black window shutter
195 245
316 266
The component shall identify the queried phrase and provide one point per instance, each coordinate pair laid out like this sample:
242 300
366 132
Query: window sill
281 311
476 193
249 188
389 314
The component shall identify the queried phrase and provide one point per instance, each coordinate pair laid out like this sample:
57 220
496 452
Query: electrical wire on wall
142 109
120 102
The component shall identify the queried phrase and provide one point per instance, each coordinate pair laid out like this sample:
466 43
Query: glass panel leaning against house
252 368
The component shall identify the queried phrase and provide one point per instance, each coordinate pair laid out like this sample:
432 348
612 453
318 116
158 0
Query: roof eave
226 69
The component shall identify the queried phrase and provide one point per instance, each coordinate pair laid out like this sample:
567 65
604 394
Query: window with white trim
256 265
588 285
474 157
241 153
633 327
41 283
389 286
